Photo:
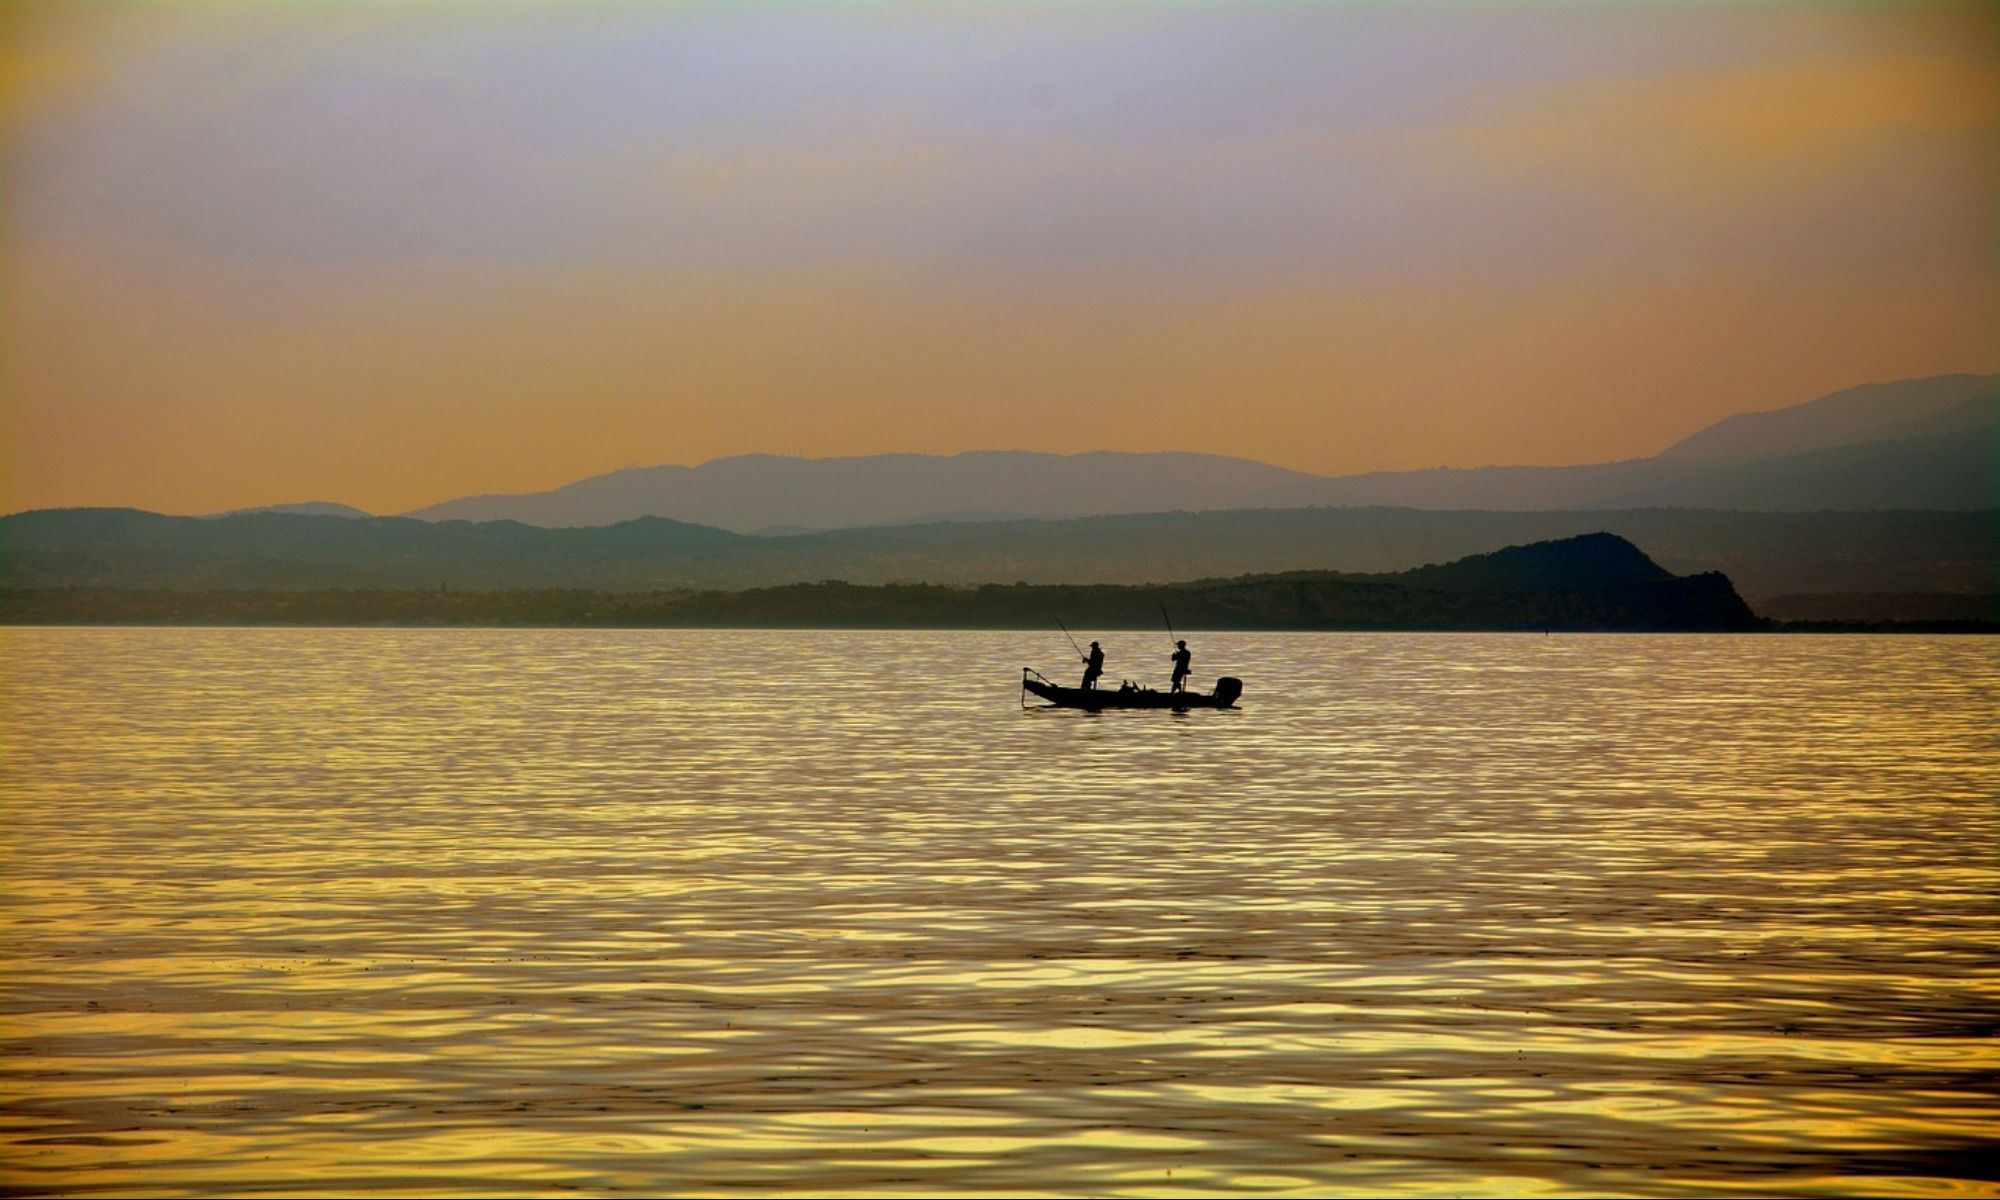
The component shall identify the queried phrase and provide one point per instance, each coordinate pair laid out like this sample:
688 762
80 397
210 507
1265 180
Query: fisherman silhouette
1093 666
1182 662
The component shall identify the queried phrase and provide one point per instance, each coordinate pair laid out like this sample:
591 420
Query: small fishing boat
1227 689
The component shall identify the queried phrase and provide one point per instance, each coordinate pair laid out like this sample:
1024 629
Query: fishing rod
1072 640
1170 623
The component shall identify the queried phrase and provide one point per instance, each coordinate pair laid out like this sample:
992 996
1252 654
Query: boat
1128 695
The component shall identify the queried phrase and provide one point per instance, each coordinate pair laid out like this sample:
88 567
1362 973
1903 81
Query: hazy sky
390 253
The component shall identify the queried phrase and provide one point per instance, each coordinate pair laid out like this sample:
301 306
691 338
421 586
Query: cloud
1860 160
1329 137
1778 127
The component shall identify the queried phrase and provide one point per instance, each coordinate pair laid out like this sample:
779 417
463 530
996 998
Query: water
716 913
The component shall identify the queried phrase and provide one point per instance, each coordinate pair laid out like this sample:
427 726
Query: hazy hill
1959 469
1934 442
1596 582
110 547
309 508
762 491
1766 554
1875 412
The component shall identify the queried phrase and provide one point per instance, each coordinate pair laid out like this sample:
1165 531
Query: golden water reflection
558 913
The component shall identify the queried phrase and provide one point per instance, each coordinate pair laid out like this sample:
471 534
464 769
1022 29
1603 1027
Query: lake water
715 913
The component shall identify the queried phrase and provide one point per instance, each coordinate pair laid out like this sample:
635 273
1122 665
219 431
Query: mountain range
1594 582
1766 554
1803 518
1916 444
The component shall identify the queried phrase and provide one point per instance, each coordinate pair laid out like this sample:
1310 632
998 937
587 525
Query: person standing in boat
1093 666
1183 662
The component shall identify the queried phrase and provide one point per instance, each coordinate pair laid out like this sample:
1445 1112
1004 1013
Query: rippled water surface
717 913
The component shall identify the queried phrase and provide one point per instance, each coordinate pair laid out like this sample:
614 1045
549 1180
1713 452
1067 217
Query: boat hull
1094 699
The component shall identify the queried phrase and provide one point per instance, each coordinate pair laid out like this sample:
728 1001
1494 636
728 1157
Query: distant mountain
1595 582
1935 441
1956 470
311 508
111 547
1766 554
1966 607
762 491
1876 412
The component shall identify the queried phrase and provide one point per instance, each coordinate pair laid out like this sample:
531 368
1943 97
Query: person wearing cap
1093 666
1183 661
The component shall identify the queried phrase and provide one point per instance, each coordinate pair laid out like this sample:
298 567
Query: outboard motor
1227 689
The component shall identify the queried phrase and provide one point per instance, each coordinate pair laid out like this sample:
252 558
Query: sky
389 253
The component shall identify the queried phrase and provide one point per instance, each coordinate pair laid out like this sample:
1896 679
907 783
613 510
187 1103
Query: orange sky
395 253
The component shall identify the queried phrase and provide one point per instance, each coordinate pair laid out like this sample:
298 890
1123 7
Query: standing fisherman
1183 661
1093 666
